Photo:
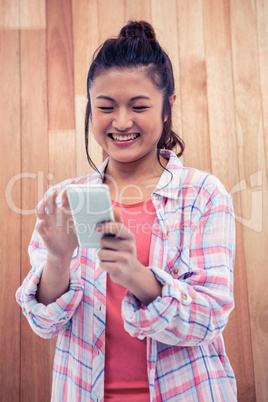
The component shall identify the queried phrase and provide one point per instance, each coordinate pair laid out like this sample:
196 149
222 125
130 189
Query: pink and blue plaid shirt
192 255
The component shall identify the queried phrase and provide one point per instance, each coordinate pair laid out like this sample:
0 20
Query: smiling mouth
124 137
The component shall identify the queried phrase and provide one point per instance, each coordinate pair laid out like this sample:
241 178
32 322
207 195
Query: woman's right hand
55 225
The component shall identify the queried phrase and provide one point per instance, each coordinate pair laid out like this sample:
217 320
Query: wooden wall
219 50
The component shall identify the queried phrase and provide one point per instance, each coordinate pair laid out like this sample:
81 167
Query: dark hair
136 46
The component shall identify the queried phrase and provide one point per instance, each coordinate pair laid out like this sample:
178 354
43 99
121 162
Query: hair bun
137 29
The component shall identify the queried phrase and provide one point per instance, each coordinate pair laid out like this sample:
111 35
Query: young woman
141 318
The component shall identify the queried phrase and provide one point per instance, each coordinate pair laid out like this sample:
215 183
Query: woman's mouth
123 137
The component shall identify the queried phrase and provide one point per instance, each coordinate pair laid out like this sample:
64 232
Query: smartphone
90 204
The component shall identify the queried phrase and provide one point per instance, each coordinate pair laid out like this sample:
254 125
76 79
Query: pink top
125 357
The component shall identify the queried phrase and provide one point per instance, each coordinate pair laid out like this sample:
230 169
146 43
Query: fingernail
98 228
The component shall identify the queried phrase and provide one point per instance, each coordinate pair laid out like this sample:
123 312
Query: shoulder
194 189
192 180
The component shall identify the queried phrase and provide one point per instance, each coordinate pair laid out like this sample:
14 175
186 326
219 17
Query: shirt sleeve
194 307
48 321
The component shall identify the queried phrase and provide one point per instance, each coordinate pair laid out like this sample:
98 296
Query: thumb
118 215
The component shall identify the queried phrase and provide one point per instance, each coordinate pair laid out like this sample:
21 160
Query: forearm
145 287
54 281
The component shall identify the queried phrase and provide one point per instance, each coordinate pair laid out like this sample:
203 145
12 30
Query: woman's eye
105 108
140 108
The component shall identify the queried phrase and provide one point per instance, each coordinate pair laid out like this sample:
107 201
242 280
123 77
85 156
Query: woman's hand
118 256
55 226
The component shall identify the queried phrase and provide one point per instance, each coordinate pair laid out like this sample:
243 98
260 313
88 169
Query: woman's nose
122 120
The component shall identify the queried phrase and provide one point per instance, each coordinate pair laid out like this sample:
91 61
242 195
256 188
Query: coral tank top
125 357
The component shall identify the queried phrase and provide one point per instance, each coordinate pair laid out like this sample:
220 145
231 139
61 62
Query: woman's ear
172 99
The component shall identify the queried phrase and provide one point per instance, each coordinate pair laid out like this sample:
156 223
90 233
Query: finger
118 229
51 205
109 242
107 255
64 199
41 227
41 209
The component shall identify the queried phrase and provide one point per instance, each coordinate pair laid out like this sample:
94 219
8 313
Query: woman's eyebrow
140 97
131 100
105 97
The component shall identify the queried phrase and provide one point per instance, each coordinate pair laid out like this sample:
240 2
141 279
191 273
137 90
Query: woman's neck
132 182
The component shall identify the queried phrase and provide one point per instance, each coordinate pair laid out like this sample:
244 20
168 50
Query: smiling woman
165 277
152 66
127 124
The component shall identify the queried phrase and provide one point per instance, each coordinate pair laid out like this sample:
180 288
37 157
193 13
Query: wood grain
249 128
10 218
34 148
32 14
111 17
219 51
164 20
193 86
137 10
221 109
262 25
60 65
10 14
86 40
61 155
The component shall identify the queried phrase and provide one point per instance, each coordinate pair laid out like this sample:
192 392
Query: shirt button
157 198
175 271
184 296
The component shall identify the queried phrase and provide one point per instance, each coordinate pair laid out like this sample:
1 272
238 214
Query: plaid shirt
192 255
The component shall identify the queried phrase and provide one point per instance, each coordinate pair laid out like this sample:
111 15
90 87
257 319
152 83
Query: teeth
127 137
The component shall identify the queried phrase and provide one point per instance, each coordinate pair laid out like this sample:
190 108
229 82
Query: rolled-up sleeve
47 321
195 305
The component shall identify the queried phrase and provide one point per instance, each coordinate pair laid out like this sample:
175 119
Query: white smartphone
90 204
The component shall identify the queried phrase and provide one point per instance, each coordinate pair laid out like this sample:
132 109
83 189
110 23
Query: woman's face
126 114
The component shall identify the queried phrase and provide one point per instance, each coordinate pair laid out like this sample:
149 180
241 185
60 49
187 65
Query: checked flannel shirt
192 255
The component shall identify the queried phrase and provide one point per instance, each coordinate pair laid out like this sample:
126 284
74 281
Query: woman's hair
136 46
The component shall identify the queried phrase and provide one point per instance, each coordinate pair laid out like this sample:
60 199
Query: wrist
59 261
144 285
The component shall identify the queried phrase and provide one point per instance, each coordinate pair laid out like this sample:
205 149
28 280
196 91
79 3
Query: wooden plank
85 41
249 128
95 151
137 10
32 14
10 313
262 22
9 15
111 18
221 111
60 65
61 155
164 21
193 85
35 370
220 91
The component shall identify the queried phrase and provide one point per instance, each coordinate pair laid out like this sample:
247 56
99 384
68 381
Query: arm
195 304
52 290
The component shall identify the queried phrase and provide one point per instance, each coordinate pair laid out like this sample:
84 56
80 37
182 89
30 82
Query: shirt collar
169 181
